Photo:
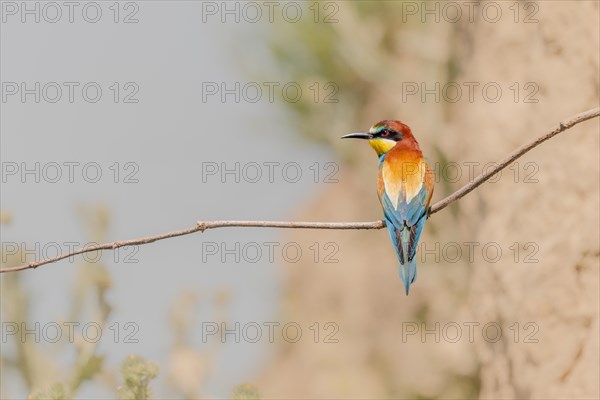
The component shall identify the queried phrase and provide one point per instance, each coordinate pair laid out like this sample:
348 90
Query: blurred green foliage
33 361
246 391
137 374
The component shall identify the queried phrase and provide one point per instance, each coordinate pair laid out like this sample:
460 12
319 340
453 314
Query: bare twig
563 126
201 226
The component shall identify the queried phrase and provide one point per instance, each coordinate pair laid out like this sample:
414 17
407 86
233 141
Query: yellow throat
381 146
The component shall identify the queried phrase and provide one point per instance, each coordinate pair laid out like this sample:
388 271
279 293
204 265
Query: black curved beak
357 136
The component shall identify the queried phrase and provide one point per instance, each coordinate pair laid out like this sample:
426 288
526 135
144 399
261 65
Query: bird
404 186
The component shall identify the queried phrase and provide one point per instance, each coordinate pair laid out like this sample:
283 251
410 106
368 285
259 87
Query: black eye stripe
389 134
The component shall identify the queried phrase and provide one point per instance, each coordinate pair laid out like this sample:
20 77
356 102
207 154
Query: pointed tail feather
405 240
408 273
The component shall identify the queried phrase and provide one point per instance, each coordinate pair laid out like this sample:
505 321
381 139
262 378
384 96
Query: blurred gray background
168 134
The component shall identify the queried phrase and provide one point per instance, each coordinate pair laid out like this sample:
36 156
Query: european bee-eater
404 186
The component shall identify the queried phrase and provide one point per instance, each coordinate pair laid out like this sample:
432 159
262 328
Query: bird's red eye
385 133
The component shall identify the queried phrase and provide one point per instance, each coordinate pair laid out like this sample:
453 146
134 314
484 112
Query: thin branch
563 126
201 226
